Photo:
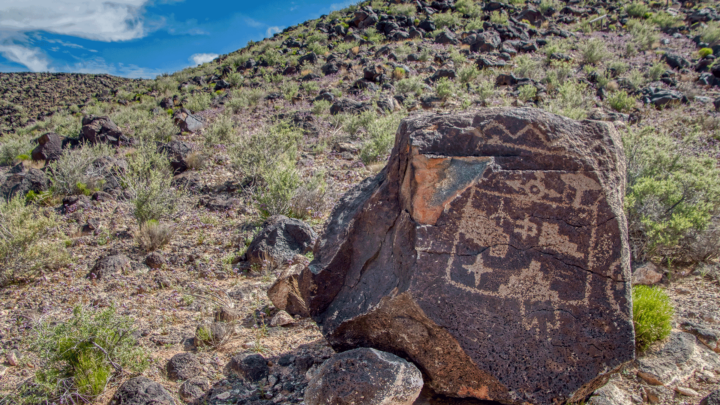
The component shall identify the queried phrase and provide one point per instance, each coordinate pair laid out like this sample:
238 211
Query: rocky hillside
168 221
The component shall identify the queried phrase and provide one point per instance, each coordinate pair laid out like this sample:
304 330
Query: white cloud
271 30
32 58
99 65
200 58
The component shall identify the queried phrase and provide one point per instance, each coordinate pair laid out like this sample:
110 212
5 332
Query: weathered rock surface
280 239
49 147
101 130
364 377
712 399
109 265
142 391
609 394
647 274
285 291
676 360
183 366
252 367
491 251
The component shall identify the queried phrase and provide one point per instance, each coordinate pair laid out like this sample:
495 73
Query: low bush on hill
75 171
148 181
652 315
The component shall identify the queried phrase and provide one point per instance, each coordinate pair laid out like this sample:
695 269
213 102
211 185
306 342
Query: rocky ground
344 82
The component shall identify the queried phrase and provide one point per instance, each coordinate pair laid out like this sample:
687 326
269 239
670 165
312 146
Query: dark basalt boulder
101 130
142 391
49 147
280 240
492 252
20 182
177 152
349 106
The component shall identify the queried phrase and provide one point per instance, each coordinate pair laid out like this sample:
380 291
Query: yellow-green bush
652 315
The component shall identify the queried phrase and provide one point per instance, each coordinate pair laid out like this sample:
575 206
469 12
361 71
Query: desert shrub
652 315
381 137
311 87
637 9
468 74
235 79
456 56
449 20
709 32
621 101
527 92
498 17
275 197
158 129
705 52
617 68
558 74
198 102
445 88
153 235
321 107
665 20
220 132
165 84
656 70
672 192
546 5
412 85
353 122
527 67
247 98
372 35
470 8
80 356
644 34
402 9
148 181
259 153
309 199
474 24
29 240
74 172
485 90
593 51
12 147
398 73
571 100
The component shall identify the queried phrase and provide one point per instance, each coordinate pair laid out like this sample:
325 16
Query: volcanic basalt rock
491 251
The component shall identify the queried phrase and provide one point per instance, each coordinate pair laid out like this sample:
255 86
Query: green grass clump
593 51
621 101
80 356
652 314
705 52
637 9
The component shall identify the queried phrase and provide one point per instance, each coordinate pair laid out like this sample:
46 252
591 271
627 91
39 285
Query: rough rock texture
712 399
142 391
177 152
101 130
491 251
676 360
183 366
285 293
281 239
49 147
647 274
364 377
194 388
609 394
21 182
252 367
109 265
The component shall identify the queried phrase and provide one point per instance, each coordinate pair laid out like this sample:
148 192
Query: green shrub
80 356
311 87
571 100
153 235
671 191
636 9
198 102
321 107
474 24
247 98
235 79
470 8
644 34
29 240
372 35
621 101
656 70
275 197
527 92
449 20
12 147
413 85
381 134
665 20
220 132
593 51
148 180
705 52
527 67
652 315
444 88
546 5
709 32
498 17
402 9
468 74
261 152
74 172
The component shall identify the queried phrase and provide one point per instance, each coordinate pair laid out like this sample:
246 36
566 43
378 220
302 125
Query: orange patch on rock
479 393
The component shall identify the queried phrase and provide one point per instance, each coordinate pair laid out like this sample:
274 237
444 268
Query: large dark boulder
280 240
364 377
142 391
183 366
109 265
101 130
252 367
712 399
345 105
49 147
177 152
21 181
492 251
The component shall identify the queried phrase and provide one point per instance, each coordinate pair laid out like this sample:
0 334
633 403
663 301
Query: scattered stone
609 394
183 366
142 391
177 152
108 266
49 147
285 293
345 105
646 274
154 260
425 257
252 367
712 399
446 38
676 61
13 358
676 360
101 130
194 388
688 392
280 240
710 337
220 204
282 318
364 377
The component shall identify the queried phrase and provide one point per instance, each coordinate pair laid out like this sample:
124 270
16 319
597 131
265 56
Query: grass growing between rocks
652 313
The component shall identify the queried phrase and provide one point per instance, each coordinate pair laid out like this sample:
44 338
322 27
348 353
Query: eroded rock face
491 251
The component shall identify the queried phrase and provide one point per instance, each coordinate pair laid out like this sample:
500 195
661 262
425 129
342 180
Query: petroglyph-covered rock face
491 251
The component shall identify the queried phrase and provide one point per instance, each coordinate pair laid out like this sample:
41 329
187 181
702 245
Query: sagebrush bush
571 100
449 20
498 17
198 102
30 240
445 88
221 131
12 147
527 67
381 137
80 356
153 235
148 181
637 9
403 9
593 51
75 171
709 32
527 92
665 20
469 8
672 192
411 85
620 101
644 34
321 107
468 74
256 154
652 315
656 70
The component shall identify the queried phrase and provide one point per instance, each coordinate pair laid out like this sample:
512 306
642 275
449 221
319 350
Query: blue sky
139 38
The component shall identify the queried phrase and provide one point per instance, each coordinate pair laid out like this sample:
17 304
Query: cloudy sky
138 38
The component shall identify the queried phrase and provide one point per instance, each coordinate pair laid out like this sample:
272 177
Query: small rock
194 388
109 265
227 314
282 318
647 274
364 376
214 334
252 367
142 391
3 370
285 293
183 366
649 378
280 240
688 392
155 260
13 358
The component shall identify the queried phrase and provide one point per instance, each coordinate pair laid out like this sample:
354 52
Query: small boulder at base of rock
101 130
646 274
285 293
154 260
712 399
511 214
252 367
49 147
364 377
183 366
280 240
194 388
609 394
109 265
142 391
282 318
